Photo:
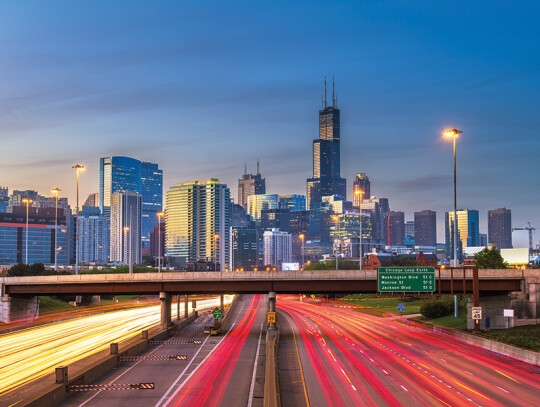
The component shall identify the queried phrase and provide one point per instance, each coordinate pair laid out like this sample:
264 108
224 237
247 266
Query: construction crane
530 229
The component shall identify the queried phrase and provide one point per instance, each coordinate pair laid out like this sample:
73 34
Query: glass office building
41 236
128 174
292 202
467 230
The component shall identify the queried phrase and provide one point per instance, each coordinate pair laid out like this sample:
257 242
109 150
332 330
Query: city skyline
130 96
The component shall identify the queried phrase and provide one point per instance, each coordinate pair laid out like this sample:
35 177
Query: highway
335 356
29 354
220 371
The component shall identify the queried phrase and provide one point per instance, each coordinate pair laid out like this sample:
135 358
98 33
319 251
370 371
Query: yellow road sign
271 317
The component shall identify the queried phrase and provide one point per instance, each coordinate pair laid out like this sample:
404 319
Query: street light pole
78 168
336 218
55 191
216 237
159 215
302 238
126 247
27 202
361 193
454 133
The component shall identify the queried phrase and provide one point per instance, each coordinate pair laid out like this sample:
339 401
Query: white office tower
126 227
277 247
93 230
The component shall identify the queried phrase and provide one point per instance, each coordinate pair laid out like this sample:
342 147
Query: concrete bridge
22 290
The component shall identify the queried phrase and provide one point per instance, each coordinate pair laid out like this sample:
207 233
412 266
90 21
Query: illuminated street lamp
454 133
55 191
336 219
361 193
127 247
78 168
302 239
27 202
159 215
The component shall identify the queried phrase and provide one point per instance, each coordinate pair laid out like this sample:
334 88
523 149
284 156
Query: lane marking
199 365
298 355
254 376
506 391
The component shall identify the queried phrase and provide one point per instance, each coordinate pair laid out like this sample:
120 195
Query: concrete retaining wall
56 393
524 355
271 382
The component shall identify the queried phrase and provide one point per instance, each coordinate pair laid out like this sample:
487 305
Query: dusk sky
202 87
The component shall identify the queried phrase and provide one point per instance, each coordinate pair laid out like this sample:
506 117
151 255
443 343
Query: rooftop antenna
322 101
325 92
245 168
258 167
333 98
336 100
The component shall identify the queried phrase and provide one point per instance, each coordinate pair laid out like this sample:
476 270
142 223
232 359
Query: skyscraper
197 222
256 203
243 249
394 222
425 228
377 208
125 242
128 174
249 185
326 178
277 248
500 227
361 183
467 228
92 200
92 236
292 202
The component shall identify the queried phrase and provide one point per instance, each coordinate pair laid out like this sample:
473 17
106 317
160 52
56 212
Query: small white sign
509 313
476 313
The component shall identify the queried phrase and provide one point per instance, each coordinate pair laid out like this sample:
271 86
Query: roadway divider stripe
99 387
151 357
188 342
206 331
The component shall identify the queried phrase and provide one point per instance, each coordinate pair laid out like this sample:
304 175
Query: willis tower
326 179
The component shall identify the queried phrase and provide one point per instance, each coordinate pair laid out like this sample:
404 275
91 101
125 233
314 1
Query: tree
489 259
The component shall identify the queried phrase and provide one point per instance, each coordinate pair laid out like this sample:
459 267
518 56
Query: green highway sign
216 313
406 279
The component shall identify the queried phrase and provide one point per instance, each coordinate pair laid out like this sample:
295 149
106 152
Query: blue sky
201 87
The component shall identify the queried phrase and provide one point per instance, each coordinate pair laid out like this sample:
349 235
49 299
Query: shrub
436 308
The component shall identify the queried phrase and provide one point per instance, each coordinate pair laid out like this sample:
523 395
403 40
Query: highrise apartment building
243 249
467 230
198 220
361 183
249 185
326 178
126 214
377 208
277 248
425 228
92 236
500 228
128 174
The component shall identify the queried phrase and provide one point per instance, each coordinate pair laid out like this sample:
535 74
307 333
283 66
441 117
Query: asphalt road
218 372
345 358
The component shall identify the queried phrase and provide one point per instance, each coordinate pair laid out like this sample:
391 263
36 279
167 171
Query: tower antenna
333 98
258 167
325 92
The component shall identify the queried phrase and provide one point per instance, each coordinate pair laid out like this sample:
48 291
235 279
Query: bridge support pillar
166 302
186 302
272 307
16 309
222 303
193 305
178 306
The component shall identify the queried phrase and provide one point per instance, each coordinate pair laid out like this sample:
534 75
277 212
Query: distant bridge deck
291 282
